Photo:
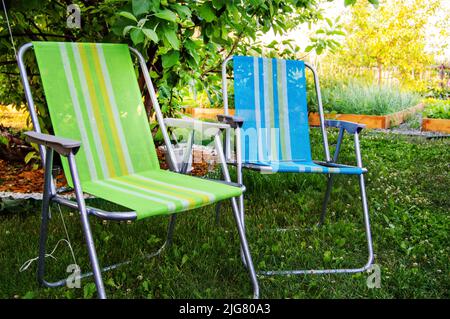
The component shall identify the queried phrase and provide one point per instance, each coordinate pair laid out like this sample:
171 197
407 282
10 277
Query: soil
16 177
19 178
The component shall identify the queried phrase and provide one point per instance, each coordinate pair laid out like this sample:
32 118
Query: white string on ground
28 263
67 235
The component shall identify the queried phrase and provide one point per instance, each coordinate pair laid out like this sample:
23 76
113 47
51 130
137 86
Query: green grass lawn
408 190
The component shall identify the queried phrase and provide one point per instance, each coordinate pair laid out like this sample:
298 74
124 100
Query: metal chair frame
49 144
352 128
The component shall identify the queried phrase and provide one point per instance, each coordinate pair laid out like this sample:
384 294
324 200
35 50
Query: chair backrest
93 96
270 96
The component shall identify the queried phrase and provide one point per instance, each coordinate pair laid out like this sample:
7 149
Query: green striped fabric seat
93 96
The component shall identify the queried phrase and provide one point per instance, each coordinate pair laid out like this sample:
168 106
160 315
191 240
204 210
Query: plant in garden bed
358 97
438 91
437 109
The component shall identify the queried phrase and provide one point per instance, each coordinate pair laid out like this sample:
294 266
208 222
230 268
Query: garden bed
436 116
372 121
436 125
206 113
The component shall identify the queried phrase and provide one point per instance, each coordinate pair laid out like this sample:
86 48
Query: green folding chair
271 111
103 137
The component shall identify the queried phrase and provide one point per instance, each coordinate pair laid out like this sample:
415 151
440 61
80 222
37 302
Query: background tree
392 35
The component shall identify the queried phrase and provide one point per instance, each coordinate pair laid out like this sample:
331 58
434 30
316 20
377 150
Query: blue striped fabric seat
270 96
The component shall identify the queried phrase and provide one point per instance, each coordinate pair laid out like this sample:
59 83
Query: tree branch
42 34
7 62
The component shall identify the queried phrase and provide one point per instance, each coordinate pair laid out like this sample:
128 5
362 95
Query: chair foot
63 282
341 270
317 271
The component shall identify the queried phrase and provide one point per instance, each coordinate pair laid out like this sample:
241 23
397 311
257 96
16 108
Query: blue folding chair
272 132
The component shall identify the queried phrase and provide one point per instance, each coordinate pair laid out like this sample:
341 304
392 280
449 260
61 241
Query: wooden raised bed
206 113
372 121
436 125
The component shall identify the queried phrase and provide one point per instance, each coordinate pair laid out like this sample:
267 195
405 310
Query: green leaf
150 34
218 4
29 156
140 7
170 59
374 2
29 295
127 29
183 11
349 2
184 260
110 282
166 15
137 36
206 12
338 32
192 48
127 15
4 140
171 37
89 290
309 48
327 256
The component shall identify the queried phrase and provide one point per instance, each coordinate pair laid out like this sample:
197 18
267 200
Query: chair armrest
233 121
63 146
350 127
205 127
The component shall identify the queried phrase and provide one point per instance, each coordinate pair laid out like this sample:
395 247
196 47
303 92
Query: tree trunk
380 73
147 100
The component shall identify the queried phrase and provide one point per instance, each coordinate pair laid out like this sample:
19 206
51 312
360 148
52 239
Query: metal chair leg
45 216
62 282
245 250
362 187
331 177
170 230
48 190
341 270
87 229
242 216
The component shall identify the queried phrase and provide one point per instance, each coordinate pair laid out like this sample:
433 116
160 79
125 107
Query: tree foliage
184 42
391 35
